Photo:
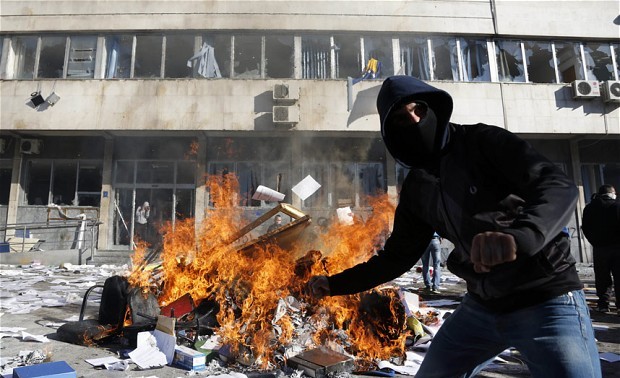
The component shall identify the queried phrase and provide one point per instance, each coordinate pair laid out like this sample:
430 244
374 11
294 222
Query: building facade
108 104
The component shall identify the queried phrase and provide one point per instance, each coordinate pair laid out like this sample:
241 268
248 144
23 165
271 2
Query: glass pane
315 57
82 57
569 61
540 67
343 180
319 172
185 172
155 172
247 56
5 181
52 58
616 47
118 64
184 207
379 48
123 216
475 60
414 57
445 61
124 172
348 56
371 181
38 184
148 56
179 48
509 61
599 65
25 50
279 56
63 189
220 63
89 178
249 179
277 177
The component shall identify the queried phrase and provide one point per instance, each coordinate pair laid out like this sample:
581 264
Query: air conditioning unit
30 146
611 91
285 92
285 114
586 89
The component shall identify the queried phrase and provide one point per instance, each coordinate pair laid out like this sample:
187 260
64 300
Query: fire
253 288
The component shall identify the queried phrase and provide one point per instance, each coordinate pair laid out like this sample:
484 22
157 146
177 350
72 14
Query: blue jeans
555 339
433 251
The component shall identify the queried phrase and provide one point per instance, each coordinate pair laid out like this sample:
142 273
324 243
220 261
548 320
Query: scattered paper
147 357
345 215
609 357
264 193
103 360
306 187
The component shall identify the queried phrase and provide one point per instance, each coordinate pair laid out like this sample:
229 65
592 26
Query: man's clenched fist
492 248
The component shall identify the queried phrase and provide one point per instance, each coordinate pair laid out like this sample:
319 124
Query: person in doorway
503 205
277 222
143 213
433 252
601 226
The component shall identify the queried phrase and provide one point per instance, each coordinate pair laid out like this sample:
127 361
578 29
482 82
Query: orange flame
248 285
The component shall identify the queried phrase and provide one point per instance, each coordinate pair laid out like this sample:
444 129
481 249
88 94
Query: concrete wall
246 105
540 18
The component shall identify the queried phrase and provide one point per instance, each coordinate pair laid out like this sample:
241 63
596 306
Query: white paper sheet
147 357
306 187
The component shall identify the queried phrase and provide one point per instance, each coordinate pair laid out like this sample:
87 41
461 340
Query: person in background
277 222
433 252
143 213
503 205
601 226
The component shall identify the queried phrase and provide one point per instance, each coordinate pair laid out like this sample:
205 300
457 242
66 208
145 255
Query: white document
166 344
306 187
345 215
147 357
103 361
264 193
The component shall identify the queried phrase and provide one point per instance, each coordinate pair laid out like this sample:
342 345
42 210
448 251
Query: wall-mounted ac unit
285 114
285 92
586 89
30 146
611 91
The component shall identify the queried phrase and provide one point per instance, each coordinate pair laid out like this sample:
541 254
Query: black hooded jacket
480 178
601 222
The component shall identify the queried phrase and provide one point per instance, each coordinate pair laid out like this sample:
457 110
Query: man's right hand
318 287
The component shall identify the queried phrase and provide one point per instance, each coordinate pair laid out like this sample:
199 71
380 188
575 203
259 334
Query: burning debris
250 293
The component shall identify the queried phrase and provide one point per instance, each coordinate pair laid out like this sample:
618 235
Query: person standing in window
433 252
142 218
601 226
503 205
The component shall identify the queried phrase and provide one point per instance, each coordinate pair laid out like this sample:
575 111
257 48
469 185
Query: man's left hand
492 248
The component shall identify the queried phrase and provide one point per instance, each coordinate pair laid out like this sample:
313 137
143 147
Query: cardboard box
189 359
58 369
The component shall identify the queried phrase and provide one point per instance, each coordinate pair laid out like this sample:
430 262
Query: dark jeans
606 265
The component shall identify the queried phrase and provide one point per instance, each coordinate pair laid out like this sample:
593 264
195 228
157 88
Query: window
64 174
414 57
540 65
63 182
445 59
348 56
616 48
247 63
315 57
509 61
5 180
279 57
569 61
379 48
599 64
475 60
38 181
119 50
24 51
82 57
319 172
52 57
148 56
219 60
179 48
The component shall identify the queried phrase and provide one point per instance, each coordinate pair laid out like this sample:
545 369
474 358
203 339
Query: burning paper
345 215
306 187
264 193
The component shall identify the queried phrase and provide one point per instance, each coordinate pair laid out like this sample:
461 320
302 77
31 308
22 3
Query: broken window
599 65
277 176
414 58
320 173
509 61
148 56
342 180
178 49
445 59
279 57
64 176
38 179
119 50
5 180
24 51
540 65
52 57
155 172
371 181
569 61
475 60
348 56
315 57
379 48
616 48
89 183
82 57
220 45
248 56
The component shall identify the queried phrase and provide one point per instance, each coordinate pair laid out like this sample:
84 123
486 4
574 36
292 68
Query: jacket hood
397 90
